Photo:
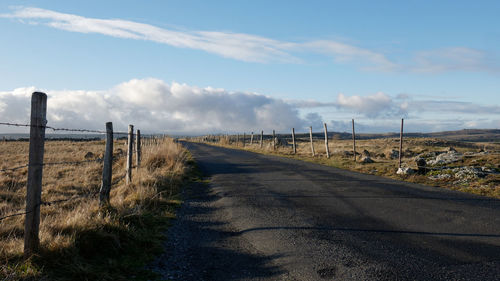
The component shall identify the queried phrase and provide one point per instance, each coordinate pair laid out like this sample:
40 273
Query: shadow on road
200 246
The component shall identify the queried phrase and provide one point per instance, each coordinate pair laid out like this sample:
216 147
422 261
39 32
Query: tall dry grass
73 233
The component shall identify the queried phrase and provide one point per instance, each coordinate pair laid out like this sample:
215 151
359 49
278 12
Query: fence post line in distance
311 139
130 143
251 139
138 149
244 137
326 141
261 137
401 142
274 140
35 173
293 141
107 166
353 141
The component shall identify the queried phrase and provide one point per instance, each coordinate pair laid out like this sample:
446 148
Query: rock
488 170
421 165
366 153
468 173
89 155
446 158
367 159
394 154
346 153
405 171
451 149
440 177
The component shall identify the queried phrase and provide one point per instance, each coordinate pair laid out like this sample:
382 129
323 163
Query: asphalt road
271 218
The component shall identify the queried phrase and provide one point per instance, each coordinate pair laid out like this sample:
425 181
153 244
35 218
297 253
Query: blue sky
435 63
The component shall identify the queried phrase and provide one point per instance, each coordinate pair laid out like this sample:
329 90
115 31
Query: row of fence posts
35 169
327 150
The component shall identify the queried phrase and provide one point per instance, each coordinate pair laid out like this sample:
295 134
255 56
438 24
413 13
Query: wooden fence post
326 141
274 140
238 140
128 176
138 149
244 137
35 172
107 168
261 138
311 139
353 141
293 141
251 140
401 142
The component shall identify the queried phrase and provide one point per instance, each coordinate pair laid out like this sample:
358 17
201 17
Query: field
80 240
466 166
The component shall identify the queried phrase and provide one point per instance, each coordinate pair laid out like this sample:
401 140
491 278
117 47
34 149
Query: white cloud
376 105
155 106
454 59
239 46
253 48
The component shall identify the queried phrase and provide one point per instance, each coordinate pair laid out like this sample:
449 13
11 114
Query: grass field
79 240
477 169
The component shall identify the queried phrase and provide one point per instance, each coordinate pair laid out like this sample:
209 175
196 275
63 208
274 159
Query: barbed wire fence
36 164
274 140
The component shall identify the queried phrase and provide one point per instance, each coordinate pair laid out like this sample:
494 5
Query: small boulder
367 159
421 166
366 153
393 154
405 171
89 155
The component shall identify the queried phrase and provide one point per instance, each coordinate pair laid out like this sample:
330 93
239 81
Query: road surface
264 217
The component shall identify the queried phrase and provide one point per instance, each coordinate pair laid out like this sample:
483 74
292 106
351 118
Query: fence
35 165
285 138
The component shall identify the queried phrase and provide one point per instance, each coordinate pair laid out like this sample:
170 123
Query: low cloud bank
155 106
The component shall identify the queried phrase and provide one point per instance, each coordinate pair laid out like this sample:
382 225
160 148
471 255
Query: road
264 217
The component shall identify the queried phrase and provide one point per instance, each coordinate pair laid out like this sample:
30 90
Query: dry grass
78 239
380 151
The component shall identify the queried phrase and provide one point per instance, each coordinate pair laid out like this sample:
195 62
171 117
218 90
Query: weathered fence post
107 167
251 140
35 172
238 140
293 141
128 176
138 149
353 141
274 140
311 139
401 142
244 137
326 141
261 138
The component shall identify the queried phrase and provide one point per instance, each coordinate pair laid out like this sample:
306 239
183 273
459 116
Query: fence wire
50 203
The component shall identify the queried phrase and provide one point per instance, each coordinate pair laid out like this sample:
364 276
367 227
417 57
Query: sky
194 67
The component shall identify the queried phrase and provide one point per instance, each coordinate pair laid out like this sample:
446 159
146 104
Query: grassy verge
79 240
384 165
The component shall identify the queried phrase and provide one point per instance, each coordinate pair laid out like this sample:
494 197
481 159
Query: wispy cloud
455 59
239 46
254 48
